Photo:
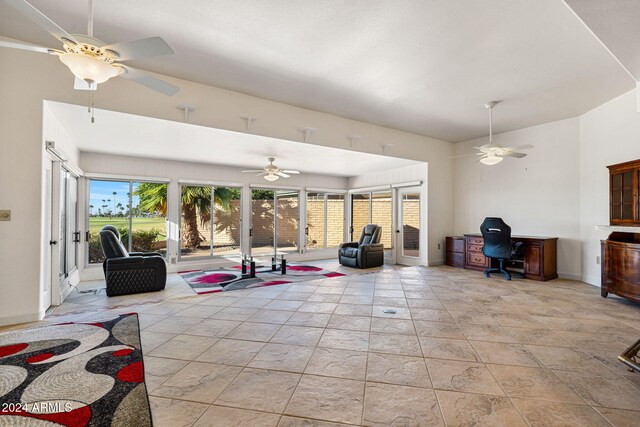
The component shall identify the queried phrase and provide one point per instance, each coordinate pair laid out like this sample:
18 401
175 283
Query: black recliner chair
498 245
130 273
365 253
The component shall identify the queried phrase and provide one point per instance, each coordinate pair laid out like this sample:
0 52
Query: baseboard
23 318
567 276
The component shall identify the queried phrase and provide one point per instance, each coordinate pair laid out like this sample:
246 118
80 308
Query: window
373 208
274 221
325 220
209 221
137 209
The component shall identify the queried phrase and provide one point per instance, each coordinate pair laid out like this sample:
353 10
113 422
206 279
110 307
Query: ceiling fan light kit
492 154
91 60
272 172
491 160
89 68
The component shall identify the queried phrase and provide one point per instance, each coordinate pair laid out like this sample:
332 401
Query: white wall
537 195
609 134
28 79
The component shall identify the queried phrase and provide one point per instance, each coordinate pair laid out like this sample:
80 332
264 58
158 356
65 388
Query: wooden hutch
621 251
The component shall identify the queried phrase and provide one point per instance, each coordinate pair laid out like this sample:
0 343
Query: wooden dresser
540 256
621 265
621 251
455 251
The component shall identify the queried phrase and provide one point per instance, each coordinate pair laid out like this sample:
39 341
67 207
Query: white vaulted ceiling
422 66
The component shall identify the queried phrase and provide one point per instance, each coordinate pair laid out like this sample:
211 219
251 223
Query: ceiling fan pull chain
91 108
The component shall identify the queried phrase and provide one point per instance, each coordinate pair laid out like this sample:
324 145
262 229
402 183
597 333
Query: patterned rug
230 279
74 374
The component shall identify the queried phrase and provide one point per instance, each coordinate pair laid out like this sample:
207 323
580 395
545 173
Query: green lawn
96 223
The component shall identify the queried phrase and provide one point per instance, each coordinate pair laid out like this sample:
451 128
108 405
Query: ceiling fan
91 60
272 172
491 154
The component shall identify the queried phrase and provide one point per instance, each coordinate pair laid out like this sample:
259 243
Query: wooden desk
540 256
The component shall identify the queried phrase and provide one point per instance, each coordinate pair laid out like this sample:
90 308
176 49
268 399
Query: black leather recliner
130 273
365 253
498 245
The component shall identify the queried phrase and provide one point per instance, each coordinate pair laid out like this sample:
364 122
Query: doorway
275 216
409 223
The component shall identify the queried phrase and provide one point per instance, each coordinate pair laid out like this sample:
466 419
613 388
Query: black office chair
498 245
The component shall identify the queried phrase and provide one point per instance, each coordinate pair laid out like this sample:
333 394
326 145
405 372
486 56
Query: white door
45 291
408 226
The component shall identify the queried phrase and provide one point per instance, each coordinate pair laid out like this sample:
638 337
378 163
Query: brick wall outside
227 230
315 222
411 227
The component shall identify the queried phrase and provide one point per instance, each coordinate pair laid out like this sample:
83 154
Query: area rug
74 374
229 279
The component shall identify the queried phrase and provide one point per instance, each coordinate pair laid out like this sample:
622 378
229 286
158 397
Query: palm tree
114 200
120 208
90 209
195 202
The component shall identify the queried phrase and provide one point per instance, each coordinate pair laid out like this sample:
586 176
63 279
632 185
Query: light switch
5 215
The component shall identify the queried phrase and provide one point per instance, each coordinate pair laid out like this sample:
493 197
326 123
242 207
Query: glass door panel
360 213
316 217
382 214
226 220
335 220
73 235
195 221
102 195
62 232
287 220
147 214
410 221
262 221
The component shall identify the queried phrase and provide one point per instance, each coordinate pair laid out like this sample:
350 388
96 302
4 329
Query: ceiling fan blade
512 154
518 147
467 155
149 81
143 48
282 174
291 172
261 173
18 44
41 20
253 171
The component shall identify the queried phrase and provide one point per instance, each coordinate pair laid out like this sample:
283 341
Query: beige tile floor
460 350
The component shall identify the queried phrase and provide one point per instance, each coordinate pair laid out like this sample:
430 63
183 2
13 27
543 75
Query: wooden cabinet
540 256
621 265
624 193
455 251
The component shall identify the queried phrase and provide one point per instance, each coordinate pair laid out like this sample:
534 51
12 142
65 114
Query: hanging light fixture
491 159
270 177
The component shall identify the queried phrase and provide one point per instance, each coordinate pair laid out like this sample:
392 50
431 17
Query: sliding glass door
137 209
325 220
274 221
409 223
360 213
209 221
372 208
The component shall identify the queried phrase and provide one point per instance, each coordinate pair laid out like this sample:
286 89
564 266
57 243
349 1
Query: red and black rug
74 374
229 279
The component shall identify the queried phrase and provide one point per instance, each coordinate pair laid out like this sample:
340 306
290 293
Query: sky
103 190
